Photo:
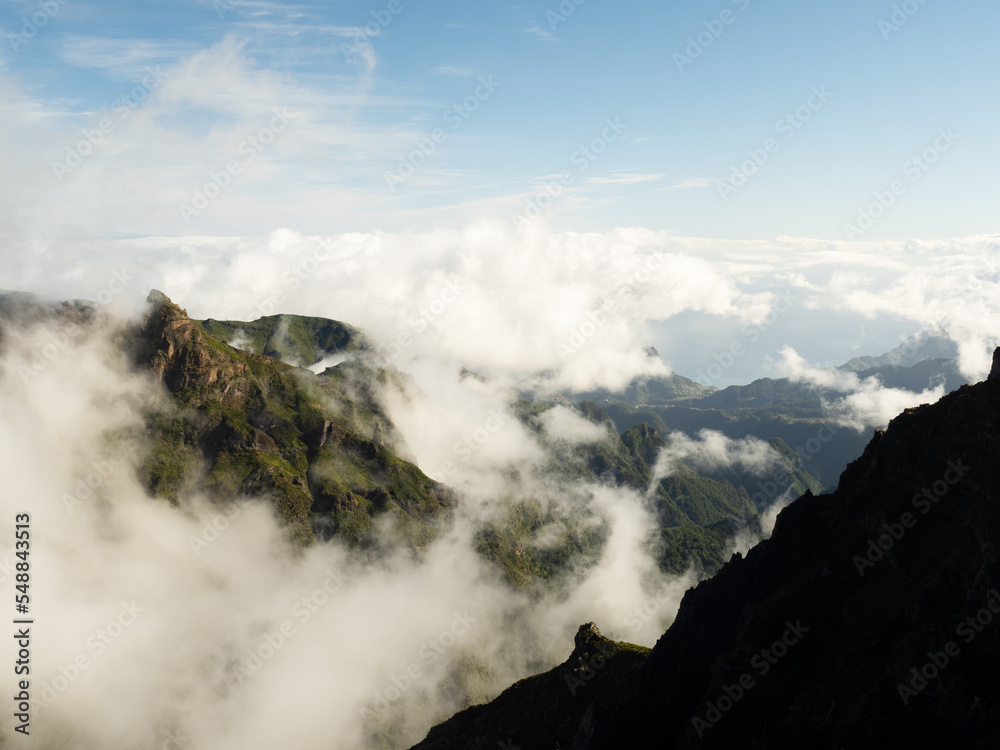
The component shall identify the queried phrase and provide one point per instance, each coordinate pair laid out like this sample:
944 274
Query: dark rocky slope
849 628
599 669
871 618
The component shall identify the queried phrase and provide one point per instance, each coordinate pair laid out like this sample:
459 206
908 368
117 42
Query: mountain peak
179 353
995 370
157 299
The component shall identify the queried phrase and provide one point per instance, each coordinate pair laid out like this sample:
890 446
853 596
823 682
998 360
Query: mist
198 624
867 401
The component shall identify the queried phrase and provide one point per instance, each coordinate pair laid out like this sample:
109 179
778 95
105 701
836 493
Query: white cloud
713 451
563 423
455 70
204 642
695 182
544 34
867 404
123 59
624 179
551 310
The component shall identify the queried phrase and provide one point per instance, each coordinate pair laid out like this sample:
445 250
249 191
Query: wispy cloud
544 34
455 70
123 59
694 182
624 179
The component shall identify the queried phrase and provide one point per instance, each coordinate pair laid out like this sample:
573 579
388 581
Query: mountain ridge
936 459
866 620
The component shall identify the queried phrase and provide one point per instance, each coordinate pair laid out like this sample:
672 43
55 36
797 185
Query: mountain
927 373
914 350
599 669
823 447
644 390
869 619
883 593
244 420
648 390
294 339
696 516
782 409
779 409
249 424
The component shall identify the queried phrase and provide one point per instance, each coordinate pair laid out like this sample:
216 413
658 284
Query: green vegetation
292 338
513 543
242 424
245 423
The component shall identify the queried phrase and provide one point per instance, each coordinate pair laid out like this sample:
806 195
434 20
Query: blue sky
845 150
558 81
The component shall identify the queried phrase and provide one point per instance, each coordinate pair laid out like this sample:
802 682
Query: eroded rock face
587 634
182 355
995 370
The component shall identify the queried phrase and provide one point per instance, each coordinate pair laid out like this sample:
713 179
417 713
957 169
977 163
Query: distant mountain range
250 416
782 409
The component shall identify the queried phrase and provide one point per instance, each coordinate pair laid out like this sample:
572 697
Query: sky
367 88
725 128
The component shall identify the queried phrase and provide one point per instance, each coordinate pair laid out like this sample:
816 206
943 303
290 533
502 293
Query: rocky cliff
871 618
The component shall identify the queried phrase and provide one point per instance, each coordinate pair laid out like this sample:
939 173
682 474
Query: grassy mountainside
671 389
292 338
248 424
823 448
695 516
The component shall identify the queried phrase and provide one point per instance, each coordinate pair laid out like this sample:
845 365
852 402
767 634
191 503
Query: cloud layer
159 622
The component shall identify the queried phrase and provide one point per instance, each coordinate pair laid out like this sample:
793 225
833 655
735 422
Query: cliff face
179 353
871 618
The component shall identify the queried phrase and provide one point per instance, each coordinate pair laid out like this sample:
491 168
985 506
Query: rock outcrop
543 712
